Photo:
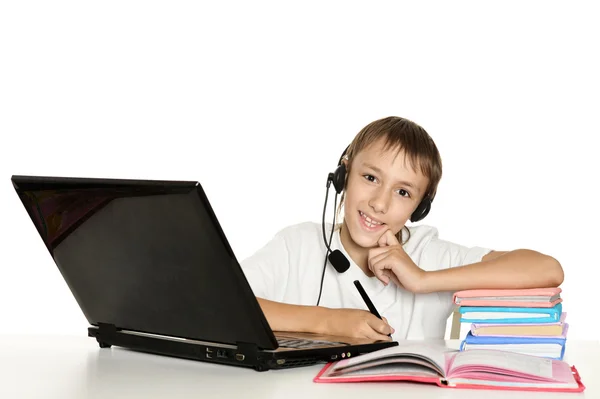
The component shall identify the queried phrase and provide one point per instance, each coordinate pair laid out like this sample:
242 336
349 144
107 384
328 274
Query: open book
434 363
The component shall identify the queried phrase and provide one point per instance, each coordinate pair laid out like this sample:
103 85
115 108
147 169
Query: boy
392 167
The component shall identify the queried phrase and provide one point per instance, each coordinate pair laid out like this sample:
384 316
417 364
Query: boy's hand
357 323
391 262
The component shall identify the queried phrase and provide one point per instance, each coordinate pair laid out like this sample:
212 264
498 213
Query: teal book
509 315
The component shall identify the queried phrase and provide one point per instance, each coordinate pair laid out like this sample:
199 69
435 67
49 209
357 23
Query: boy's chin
363 240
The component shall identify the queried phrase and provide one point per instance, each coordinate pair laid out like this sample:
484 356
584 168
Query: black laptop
152 270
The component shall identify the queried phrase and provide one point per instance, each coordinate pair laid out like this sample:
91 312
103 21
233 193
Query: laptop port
239 357
209 353
221 353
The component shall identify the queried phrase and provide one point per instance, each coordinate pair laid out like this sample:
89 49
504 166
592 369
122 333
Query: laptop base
242 355
226 354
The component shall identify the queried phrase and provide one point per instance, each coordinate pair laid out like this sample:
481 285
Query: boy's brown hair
403 135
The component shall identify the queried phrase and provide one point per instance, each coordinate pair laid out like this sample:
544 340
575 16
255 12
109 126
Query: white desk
56 367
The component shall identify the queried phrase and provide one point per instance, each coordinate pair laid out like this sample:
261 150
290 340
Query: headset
338 178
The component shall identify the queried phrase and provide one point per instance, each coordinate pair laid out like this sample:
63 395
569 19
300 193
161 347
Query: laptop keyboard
305 343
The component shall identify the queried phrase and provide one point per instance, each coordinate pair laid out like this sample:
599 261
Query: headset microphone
339 261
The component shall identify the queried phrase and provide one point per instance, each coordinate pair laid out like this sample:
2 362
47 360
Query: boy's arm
320 320
296 318
521 268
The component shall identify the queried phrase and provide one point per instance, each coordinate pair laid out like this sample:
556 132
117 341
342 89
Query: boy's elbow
556 273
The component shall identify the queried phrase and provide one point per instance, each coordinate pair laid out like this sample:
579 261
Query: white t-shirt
288 269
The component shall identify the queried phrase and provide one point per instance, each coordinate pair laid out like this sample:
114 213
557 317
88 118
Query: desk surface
75 367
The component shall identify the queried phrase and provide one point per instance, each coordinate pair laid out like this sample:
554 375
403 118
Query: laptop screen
146 256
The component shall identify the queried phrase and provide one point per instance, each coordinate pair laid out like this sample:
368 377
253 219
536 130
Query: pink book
419 361
524 298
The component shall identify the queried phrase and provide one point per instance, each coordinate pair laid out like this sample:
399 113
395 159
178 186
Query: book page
544 350
389 366
433 353
392 372
503 315
508 362
524 330
414 370
532 298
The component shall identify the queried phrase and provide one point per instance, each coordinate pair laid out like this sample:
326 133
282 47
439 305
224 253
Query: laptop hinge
107 328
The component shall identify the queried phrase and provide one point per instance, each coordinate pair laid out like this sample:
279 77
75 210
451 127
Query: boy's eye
404 193
400 191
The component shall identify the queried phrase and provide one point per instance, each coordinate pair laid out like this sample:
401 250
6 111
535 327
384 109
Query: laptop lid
145 256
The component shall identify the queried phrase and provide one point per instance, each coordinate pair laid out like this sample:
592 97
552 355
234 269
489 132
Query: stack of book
527 321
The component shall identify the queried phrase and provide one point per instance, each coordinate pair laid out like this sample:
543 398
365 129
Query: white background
257 100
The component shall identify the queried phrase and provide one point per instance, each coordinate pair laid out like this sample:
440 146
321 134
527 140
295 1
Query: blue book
549 347
509 315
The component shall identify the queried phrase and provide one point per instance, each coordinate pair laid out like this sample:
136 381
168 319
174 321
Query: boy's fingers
392 277
378 269
373 334
375 252
375 257
380 326
376 336
388 238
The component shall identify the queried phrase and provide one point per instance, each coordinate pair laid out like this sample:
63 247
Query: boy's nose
380 202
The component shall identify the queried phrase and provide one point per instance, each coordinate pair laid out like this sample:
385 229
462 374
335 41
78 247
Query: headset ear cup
339 178
421 211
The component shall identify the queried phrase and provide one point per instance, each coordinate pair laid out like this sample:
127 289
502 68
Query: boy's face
382 192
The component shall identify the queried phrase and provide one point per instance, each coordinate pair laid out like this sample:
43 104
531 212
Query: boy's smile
382 191
370 224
